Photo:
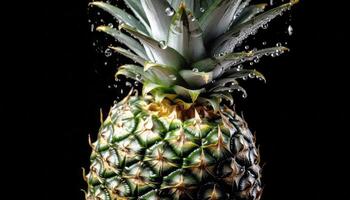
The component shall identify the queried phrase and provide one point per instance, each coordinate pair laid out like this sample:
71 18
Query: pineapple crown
185 49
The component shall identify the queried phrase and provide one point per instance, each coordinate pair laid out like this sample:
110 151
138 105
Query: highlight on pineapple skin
181 138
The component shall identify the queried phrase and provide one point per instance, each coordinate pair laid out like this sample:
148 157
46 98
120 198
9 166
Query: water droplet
193 18
162 44
109 86
201 9
251 63
115 102
128 84
246 47
285 43
251 75
106 63
92 27
115 85
260 78
110 25
264 43
290 30
256 60
278 44
239 67
244 95
94 44
98 13
169 11
101 20
121 91
244 78
172 77
136 83
195 70
138 77
265 26
108 52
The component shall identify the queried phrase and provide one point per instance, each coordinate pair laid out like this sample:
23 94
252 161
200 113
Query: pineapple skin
148 151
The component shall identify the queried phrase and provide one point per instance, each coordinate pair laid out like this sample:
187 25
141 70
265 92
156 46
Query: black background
299 115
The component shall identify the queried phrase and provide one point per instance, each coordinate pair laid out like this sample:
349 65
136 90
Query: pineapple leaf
129 54
149 87
132 44
186 105
195 6
230 89
166 75
248 13
120 15
235 58
223 95
196 79
233 73
191 94
213 102
228 41
185 35
159 94
136 8
222 82
135 72
205 65
157 17
241 6
217 19
162 55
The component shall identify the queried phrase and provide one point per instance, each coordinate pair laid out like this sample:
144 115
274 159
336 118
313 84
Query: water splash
108 52
290 30
162 44
169 11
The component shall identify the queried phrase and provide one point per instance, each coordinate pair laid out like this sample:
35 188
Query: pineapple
180 139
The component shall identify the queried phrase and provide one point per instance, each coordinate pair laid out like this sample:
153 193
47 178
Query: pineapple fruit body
179 140
147 150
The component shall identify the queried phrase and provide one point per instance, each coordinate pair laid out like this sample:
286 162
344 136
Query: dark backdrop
299 115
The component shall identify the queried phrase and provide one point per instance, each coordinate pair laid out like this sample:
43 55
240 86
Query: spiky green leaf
162 55
157 17
132 44
191 94
196 79
136 8
185 35
129 54
217 19
120 15
248 13
135 72
213 102
228 41
149 87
